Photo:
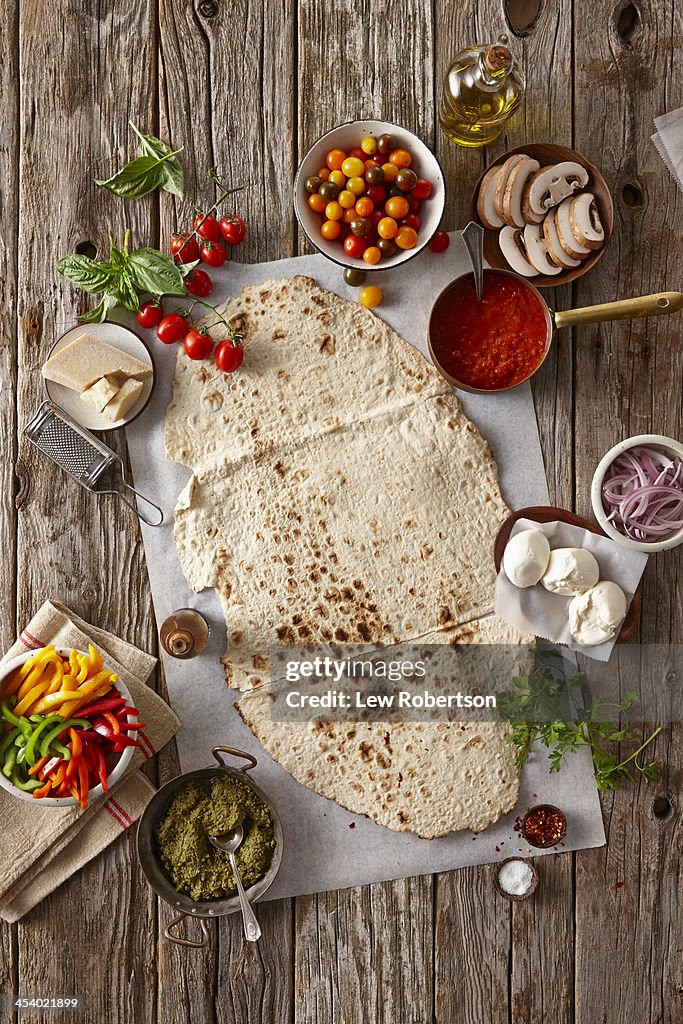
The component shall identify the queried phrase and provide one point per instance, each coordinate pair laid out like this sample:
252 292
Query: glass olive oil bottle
483 86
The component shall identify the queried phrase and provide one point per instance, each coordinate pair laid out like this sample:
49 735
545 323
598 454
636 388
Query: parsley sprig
542 707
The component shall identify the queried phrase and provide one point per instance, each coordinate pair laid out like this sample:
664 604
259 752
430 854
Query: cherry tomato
329 191
406 238
390 172
375 217
406 179
397 207
356 185
387 227
423 189
364 206
378 194
372 255
198 344
374 175
400 158
213 253
228 356
370 296
361 226
233 229
387 246
335 158
184 248
316 202
414 204
323 173
338 178
357 151
346 199
352 167
333 211
385 143
411 221
150 313
354 277
312 183
207 227
349 215
199 283
331 229
172 328
368 145
355 246
439 242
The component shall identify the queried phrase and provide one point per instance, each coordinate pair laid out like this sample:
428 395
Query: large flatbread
338 490
430 778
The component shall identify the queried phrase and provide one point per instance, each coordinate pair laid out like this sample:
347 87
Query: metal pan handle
624 309
216 751
171 936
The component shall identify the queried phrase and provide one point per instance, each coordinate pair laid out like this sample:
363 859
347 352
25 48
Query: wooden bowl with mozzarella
547 212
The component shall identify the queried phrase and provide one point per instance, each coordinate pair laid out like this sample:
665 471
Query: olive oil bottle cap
497 58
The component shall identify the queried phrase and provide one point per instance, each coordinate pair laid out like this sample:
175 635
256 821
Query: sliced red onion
642 494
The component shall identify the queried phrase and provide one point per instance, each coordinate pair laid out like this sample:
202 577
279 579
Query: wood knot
522 15
661 807
21 484
632 195
628 19
208 9
87 248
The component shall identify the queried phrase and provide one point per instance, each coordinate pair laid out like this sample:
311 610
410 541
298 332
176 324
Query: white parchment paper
325 846
535 610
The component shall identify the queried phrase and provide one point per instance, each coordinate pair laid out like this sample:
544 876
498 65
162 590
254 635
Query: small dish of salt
516 878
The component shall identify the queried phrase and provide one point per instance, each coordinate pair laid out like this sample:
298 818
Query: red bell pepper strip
108 703
102 769
83 783
131 726
127 711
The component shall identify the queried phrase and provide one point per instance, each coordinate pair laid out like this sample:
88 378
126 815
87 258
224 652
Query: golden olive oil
482 88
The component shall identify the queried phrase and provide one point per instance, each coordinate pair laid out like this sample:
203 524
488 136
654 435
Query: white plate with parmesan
101 374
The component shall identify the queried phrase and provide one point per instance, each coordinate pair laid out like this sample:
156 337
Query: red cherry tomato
233 229
414 205
375 217
184 248
411 221
198 344
213 253
199 283
358 152
172 328
150 313
207 227
423 189
440 242
355 246
228 356
377 193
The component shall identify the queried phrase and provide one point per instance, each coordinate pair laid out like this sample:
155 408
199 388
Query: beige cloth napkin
43 846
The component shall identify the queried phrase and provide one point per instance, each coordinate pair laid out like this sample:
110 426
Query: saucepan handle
216 751
658 304
171 936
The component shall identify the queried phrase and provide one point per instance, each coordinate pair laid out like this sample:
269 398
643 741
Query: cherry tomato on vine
150 313
172 328
198 344
233 229
440 241
213 253
228 356
199 283
184 247
207 227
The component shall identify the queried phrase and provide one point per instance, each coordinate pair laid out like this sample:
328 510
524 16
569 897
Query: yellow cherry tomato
346 199
352 166
316 203
330 230
364 206
400 158
397 207
372 255
370 296
338 177
335 158
333 211
387 227
324 173
356 184
350 214
406 238
390 173
369 145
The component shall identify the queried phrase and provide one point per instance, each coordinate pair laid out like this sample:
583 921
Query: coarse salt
515 877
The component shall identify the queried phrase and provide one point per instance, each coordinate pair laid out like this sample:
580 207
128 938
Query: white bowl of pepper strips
67 727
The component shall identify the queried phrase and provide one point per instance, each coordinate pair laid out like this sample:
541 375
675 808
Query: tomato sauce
496 343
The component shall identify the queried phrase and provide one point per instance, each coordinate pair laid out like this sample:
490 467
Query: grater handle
132 507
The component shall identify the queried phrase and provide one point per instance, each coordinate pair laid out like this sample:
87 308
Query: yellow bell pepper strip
96 663
57 730
13 682
39 665
57 677
33 697
69 682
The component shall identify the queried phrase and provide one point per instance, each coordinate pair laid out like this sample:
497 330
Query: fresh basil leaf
125 292
187 268
99 313
152 271
137 179
172 170
90 275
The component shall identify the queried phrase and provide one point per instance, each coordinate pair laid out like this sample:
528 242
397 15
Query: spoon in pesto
228 844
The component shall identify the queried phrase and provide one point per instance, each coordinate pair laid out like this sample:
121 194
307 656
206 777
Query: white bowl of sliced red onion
637 493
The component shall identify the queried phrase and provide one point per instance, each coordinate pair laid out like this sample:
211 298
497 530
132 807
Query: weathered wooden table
247 87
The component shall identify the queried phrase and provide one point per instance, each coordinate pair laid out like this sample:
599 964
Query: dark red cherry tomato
184 247
228 356
440 242
423 189
213 253
207 227
172 328
199 283
198 344
411 221
150 313
233 229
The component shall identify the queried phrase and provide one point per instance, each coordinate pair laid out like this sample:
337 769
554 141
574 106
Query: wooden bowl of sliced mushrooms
547 212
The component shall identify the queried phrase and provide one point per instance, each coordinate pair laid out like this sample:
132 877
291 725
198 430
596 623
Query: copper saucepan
658 304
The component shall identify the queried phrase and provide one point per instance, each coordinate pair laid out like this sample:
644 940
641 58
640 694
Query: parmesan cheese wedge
123 401
86 360
101 392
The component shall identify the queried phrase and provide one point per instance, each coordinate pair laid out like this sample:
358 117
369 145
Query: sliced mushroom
551 185
537 250
511 241
568 241
505 171
585 221
485 207
514 190
555 250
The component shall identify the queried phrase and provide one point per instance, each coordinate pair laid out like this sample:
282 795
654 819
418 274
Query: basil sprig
157 166
124 277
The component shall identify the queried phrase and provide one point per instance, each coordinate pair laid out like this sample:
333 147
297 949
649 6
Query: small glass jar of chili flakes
544 826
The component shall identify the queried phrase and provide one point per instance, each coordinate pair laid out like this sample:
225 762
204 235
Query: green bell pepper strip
7 742
26 727
46 723
10 761
59 747
8 716
27 786
66 723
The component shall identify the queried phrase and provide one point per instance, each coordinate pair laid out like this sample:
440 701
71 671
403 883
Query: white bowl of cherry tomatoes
369 195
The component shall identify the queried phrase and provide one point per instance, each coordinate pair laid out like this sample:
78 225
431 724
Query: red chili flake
544 826
619 885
